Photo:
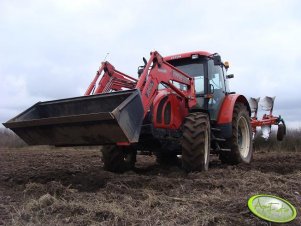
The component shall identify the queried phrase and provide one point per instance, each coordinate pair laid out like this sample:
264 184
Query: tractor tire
118 159
240 143
196 142
281 132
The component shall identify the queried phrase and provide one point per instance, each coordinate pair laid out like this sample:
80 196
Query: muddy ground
69 187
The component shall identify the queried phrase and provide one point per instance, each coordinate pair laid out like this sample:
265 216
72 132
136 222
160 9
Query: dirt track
69 187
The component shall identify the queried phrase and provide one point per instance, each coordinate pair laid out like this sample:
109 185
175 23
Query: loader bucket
88 120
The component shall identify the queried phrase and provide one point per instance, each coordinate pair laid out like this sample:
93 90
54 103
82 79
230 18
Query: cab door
216 87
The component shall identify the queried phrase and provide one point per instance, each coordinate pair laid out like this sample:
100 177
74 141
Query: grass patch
291 142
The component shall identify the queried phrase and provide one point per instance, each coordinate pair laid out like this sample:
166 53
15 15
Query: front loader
179 105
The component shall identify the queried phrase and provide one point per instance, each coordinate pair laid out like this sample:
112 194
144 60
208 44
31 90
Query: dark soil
46 186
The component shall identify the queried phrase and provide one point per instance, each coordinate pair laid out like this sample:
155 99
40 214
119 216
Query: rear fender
226 110
224 121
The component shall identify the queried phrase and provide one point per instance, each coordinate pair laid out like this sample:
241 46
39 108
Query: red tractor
179 105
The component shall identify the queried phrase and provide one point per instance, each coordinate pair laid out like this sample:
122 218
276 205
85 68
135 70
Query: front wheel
240 143
196 142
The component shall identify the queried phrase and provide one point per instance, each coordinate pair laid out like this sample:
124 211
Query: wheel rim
243 137
206 149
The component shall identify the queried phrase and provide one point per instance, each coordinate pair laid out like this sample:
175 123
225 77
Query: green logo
272 208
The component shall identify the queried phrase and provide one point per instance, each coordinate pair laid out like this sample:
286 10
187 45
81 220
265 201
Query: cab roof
186 55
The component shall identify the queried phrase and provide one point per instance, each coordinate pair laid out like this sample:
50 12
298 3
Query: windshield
194 68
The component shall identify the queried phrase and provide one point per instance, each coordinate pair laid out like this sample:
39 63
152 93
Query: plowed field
69 187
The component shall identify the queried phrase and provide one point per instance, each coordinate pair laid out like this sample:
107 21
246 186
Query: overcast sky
52 49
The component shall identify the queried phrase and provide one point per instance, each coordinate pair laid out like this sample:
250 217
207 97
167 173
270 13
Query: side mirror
217 60
230 76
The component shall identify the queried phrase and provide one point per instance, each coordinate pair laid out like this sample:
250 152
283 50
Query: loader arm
112 80
157 71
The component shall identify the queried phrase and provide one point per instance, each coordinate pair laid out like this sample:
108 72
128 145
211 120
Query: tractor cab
209 74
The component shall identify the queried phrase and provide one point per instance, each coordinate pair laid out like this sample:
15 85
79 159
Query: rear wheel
118 159
240 143
196 142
